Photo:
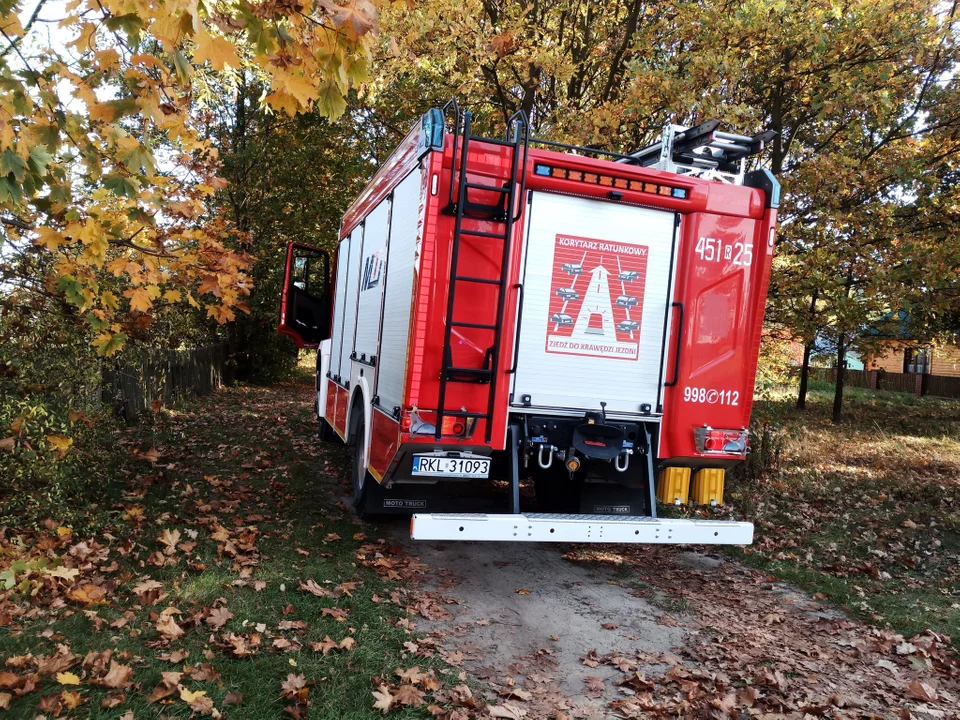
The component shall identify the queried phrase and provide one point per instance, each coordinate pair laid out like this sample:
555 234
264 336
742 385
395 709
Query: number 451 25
713 250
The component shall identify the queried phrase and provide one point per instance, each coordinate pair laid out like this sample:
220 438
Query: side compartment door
305 302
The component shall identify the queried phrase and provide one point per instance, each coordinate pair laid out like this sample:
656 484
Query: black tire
324 431
361 477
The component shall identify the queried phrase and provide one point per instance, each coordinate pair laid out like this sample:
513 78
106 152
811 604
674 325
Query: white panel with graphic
372 267
596 277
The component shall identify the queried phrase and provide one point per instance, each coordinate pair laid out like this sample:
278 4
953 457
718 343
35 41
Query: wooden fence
135 381
942 386
934 385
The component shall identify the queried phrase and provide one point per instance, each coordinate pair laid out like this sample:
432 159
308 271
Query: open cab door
305 304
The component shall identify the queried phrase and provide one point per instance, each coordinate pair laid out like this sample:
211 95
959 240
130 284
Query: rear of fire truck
583 319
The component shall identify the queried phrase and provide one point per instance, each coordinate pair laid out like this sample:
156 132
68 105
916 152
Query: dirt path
638 632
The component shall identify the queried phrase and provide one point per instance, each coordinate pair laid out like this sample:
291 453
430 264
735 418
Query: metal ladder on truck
505 214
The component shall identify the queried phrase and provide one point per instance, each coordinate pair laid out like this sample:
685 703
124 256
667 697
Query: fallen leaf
68 678
408 695
87 594
507 710
168 627
218 617
383 700
609 626
169 539
595 686
292 686
313 588
521 591
921 691
117 676
71 699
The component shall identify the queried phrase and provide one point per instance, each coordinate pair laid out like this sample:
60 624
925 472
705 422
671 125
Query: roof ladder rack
701 151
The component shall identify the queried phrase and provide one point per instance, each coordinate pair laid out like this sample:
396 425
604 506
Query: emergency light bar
610 181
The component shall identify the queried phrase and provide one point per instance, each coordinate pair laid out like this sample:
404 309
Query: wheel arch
360 395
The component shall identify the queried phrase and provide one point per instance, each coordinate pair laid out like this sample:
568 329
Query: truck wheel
324 431
361 477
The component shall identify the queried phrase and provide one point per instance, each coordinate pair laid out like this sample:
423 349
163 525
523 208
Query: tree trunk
804 375
838 394
807 351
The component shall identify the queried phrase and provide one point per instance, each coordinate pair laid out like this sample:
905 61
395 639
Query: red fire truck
509 309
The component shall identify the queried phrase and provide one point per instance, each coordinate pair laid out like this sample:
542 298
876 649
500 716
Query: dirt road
635 632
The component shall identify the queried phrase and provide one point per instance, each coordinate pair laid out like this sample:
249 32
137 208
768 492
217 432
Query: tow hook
623 460
551 449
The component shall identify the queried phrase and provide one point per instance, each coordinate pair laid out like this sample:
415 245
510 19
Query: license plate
431 466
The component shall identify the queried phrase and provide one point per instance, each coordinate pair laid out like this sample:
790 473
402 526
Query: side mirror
305 306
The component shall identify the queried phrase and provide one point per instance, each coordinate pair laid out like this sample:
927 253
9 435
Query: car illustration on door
626 301
628 275
572 268
561 319
628 326
568 293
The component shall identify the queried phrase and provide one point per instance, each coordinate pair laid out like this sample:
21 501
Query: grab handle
516 341
676 350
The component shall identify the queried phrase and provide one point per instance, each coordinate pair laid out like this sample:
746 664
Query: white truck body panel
402 262
372 268
350 299
336 334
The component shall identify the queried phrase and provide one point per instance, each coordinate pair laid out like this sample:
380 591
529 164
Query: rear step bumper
542 527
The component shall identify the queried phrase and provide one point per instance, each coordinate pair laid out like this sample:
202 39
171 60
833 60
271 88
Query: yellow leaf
71 699
280 100
68 678
172 296
50 239
188 697
139 299
60 443
218 50
63 531
301 87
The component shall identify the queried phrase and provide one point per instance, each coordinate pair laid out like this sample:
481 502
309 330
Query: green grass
244 457
863 512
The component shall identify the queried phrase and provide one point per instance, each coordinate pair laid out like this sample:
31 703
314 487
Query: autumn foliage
106 166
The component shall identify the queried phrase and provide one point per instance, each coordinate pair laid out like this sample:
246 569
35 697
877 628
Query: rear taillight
422 422
712 441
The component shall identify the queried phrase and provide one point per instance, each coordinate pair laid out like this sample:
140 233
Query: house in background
902 356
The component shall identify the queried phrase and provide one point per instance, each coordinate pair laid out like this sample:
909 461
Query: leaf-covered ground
223 576
865 512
